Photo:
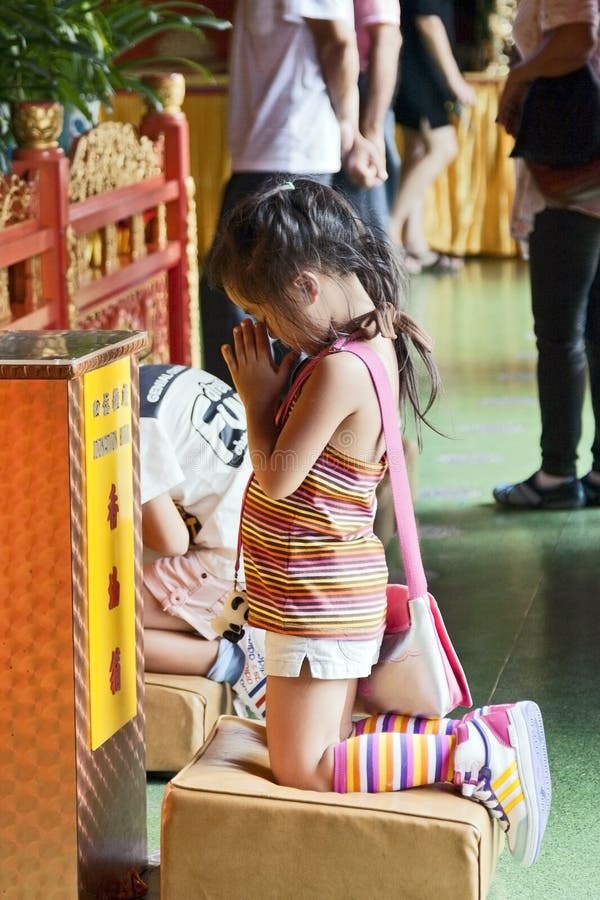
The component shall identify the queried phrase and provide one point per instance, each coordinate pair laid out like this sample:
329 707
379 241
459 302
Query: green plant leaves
69 50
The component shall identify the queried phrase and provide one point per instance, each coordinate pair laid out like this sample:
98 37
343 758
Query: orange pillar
72 756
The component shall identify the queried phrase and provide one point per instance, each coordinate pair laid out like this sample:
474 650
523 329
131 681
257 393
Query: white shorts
327 657
185 588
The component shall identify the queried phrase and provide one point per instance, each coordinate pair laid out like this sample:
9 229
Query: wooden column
42 155
181 215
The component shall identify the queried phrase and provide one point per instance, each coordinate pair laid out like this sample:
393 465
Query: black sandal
591 490
527 495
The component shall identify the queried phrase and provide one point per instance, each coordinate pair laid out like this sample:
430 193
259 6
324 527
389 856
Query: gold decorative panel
112 155
18 197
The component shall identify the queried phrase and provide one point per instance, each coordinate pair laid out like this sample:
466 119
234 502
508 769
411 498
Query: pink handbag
418 672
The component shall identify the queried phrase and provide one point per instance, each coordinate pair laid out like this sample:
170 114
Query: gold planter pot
37 124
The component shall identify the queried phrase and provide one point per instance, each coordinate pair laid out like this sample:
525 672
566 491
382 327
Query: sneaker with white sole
250 690
501 761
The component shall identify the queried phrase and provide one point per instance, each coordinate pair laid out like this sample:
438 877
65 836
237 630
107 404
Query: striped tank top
312 563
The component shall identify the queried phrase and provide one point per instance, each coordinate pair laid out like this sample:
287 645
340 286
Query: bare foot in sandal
434 263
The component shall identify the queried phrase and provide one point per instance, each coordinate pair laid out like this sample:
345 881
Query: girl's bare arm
327 410
437 43
163 529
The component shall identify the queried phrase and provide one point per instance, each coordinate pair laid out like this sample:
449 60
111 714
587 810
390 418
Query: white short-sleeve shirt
280 115
193 446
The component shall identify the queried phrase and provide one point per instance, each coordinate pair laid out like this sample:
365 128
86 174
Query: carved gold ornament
193 283
75 266
5 311
18 197
161 226
501 37
170 90
109 156
37 124
138 236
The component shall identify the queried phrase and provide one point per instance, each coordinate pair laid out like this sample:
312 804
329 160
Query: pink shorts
185 588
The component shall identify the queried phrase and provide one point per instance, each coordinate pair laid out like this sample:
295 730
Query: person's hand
364 164
464 92
376 138
511 102
259 382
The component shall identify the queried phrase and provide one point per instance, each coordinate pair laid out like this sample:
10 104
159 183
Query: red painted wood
126 278
37 320
53 173
112 206
21 241
175 128
45 236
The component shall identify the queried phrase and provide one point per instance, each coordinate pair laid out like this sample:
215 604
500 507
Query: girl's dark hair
271 238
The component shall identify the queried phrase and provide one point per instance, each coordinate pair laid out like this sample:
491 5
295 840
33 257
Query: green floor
519 591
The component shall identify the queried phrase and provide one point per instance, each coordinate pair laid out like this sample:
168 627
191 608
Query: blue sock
229 663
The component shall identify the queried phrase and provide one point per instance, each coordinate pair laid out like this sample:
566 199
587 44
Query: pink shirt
533 19
372 12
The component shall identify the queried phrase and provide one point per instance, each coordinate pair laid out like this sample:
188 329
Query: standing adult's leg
592 342
370 203
427 153
218 315
564 257
392 161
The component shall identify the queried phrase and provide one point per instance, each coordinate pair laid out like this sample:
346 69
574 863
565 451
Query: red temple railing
105 239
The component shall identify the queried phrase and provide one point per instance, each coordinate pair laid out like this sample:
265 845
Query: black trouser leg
564 260
218 314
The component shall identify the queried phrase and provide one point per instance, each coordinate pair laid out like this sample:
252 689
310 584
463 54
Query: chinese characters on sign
110 549
115 671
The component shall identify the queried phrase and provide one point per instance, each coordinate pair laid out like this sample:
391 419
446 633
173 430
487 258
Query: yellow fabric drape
467 209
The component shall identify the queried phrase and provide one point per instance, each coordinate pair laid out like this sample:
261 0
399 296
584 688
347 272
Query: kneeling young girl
306 271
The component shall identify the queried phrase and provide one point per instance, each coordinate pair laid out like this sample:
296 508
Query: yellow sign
110 553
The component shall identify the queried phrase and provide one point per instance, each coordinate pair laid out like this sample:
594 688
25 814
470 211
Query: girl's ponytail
384 280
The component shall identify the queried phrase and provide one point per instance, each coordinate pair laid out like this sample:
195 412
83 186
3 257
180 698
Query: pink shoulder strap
304 371
403 505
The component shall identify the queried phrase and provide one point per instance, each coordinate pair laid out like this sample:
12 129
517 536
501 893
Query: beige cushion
180 712
229 831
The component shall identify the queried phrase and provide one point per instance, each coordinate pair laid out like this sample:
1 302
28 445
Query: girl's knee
304 776
303 781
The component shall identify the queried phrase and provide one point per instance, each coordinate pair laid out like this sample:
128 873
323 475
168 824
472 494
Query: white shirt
193 446
280 115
